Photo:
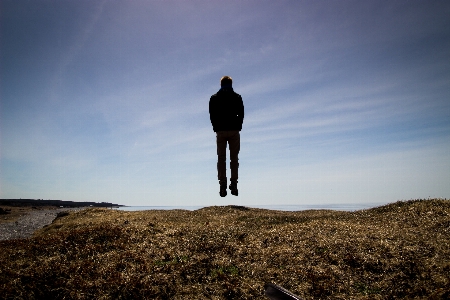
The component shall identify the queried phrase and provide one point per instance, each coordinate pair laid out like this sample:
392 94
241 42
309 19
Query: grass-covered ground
397 251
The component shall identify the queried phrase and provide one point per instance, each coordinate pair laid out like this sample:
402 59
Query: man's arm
212 114
241 110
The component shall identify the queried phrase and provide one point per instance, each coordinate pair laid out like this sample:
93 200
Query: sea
279 207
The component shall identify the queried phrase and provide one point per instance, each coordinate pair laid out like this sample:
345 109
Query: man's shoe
223 190
233 188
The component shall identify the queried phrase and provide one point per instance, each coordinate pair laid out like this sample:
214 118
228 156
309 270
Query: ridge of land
58 203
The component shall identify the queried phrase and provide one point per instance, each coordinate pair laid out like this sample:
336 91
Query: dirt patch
396 251
12 213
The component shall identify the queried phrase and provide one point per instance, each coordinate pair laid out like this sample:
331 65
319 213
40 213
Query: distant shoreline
57 203
277 207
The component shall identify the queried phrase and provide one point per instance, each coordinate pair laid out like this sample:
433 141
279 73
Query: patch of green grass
222 271
366 289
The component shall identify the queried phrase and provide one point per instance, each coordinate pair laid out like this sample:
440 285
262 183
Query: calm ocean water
340 207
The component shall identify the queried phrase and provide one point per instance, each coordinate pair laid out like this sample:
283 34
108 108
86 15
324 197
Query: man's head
226 81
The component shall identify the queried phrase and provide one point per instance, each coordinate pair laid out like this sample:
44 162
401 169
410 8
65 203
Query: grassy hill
396 251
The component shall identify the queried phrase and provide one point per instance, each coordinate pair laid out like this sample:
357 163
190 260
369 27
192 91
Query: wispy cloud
342 100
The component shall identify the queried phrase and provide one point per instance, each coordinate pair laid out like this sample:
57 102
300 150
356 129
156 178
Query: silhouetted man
226 111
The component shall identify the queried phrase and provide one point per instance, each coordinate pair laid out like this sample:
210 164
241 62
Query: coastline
276 207
26 221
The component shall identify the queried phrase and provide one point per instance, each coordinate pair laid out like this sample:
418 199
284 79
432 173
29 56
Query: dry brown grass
396 251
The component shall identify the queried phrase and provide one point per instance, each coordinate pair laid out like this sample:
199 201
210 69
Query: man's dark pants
234 141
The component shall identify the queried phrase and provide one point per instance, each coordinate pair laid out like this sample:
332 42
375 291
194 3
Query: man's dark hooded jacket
226 110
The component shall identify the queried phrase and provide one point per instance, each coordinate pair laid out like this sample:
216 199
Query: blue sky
345 101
